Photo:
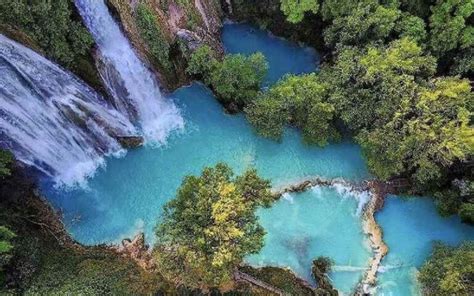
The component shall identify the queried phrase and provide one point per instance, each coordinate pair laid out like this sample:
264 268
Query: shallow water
127 196
320 222
411 226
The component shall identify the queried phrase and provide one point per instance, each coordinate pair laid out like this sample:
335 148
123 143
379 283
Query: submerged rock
129 142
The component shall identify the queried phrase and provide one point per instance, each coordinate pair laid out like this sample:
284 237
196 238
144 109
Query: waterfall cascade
57 124
51 120
133 86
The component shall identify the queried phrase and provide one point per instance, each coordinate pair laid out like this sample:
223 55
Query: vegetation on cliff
55 28
210 226
449 271
37 256
150 31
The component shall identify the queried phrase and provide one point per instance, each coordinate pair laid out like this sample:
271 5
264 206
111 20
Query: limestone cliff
164 32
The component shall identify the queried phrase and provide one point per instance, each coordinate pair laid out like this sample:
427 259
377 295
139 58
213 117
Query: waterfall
133 86
51 120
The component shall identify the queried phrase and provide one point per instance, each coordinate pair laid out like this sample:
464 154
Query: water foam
133 86
51 120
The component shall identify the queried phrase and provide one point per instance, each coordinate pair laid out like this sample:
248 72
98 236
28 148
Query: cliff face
165 32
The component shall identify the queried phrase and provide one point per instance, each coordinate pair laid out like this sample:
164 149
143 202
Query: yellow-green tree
426 135
210 226
449 271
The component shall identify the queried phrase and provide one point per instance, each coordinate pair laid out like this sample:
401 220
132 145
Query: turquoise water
323 221
127 195
284 57
410 227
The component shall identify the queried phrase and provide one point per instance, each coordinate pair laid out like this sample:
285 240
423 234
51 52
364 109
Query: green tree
296 9
298 100
210 226
202 62
368 85
6 236
238 78
368 21
452 35
428 133
6 159
449 271
51 25
331 9
413 27
449 28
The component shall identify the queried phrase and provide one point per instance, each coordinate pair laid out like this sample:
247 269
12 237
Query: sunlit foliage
210 226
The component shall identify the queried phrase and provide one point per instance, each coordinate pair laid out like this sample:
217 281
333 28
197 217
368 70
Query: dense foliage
210 226
388 82
6 159
236 79
449 271
6 235
296 9
52 26
299 100
150 31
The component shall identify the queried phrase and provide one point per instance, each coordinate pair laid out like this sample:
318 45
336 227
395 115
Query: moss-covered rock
164 33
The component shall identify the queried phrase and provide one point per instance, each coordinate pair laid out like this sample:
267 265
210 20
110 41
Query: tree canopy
296 9
298 100
211 225
236 79
427 133
6 159
448 271
52 25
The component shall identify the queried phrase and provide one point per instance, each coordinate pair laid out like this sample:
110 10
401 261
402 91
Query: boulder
129 142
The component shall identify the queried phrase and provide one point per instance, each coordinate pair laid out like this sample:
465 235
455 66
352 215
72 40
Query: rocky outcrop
137 250
375 235
183 26
129 142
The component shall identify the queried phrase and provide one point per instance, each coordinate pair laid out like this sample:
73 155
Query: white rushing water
51 120
132 85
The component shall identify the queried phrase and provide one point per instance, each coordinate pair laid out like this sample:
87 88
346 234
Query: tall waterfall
51 120
132 85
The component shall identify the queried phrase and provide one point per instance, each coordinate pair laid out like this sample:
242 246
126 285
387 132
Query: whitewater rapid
133 86
53 121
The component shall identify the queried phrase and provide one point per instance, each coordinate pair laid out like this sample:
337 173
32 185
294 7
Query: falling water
133 87
51 120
